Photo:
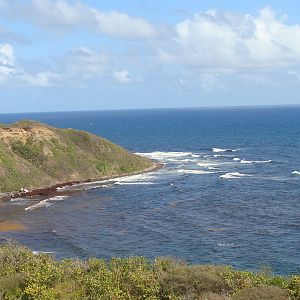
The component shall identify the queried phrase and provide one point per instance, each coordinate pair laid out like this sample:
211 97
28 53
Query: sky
65 55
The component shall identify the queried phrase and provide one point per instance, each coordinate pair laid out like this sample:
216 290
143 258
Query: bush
28 276
262 293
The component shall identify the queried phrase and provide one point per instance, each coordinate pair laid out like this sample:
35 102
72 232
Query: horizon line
158 108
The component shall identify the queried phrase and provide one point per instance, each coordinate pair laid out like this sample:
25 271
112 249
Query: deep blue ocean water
229 192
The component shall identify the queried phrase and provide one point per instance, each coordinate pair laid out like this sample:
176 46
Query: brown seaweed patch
11 226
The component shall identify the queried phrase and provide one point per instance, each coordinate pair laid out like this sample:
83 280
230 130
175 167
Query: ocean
229 192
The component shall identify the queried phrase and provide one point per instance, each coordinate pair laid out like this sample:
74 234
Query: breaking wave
217 150
140 179
234 175
134 183
198 172
207 164
296 173
243 161
45 203
160 155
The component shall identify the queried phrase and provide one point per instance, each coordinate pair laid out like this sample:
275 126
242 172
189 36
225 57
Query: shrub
28 276
262 293
179 279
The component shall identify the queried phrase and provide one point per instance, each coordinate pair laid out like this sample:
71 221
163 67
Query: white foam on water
160 155
236 159
234 175
207 164
42 252
138 177
243 161
97 186
226 244
217 150
296 173
46 202
133 183
17 201
43 203
198 172
58 198
180 160
61 188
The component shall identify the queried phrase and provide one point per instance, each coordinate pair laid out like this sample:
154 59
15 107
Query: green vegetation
34 155
24 275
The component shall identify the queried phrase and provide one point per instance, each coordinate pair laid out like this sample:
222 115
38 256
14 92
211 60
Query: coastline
53 189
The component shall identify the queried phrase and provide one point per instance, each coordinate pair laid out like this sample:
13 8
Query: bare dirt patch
23 134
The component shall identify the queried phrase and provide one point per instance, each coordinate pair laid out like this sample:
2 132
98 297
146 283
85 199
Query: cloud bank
62 16
205 48
229 41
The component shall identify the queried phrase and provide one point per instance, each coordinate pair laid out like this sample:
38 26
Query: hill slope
34 155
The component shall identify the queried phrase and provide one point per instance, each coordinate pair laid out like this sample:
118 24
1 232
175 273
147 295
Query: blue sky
60 55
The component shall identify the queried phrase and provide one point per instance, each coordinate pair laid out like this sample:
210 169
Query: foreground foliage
24 275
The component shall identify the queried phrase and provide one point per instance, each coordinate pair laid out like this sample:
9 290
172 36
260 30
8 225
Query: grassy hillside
34 155
24 275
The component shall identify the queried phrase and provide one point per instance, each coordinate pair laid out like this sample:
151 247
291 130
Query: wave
217 150
138 177
236 159
243 161
159 155
42 252
181 160
212 168
226 244
198 172
234 175
45 203
207 164
58 198
133 183
296 173
97 187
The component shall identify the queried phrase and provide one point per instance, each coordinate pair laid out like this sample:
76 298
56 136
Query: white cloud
63 15
120 24
12 73
205 50
122 76
7 62
41 79
213 40
84 62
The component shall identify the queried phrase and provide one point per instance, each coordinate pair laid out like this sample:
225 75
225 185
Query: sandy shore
53 190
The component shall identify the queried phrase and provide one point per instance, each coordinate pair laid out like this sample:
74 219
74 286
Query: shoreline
53 189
